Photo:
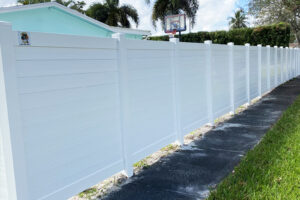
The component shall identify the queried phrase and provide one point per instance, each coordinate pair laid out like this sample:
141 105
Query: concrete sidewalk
189 172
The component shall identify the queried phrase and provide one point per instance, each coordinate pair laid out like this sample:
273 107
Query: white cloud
212 14
6 3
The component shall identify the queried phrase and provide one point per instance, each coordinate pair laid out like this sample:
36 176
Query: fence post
296 61
286 64
276 65
176 92
290 63
248 72
123 99
269 67
10 119
208 70
281 65
231 76
259 70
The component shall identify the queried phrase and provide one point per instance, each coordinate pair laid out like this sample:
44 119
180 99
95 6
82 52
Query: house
55 18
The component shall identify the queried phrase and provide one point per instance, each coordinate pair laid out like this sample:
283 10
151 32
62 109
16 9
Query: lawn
272 169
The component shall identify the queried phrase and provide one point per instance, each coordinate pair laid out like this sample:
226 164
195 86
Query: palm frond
128 11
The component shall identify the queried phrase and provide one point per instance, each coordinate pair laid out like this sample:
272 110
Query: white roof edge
130 30
76 13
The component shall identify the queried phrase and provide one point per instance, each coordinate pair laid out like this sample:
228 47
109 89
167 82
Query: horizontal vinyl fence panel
69 106
192 79
264 69
149 111
298 61
3 178
272 68
76 110
289 63
254 72
220 80
278 64
240 78
286 64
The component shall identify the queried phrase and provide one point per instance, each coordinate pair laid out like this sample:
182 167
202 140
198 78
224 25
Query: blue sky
212 14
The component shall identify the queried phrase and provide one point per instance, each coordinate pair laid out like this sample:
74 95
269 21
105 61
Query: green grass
88 193
142 164
272 169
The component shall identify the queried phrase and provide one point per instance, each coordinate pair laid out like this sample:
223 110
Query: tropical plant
110 12
75 5
26 2
162 8
239 20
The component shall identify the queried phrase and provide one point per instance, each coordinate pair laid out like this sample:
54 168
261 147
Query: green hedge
274 35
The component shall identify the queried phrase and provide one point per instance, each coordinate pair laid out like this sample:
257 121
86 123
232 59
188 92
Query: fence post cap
230 43
247 45
259 45
207 42
281 47
174 40
268 46
275 47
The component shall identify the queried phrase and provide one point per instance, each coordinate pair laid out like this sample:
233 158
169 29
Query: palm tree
75 5
26 2
78 5
239 20
111 13
162 8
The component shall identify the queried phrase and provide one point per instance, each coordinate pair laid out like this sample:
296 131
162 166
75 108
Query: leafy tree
239 20
162 8
273 11
76 5
110 12
26 2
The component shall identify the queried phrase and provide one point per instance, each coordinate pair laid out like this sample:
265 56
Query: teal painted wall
55 20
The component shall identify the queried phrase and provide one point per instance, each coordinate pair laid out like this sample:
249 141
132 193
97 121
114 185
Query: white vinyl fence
76 110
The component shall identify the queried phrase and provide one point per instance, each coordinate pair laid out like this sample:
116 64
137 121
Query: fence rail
76 110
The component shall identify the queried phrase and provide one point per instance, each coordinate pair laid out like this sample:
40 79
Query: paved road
189 173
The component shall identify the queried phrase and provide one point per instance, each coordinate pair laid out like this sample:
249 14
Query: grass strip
272 169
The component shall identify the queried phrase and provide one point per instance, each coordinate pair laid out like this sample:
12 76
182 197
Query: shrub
274 35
